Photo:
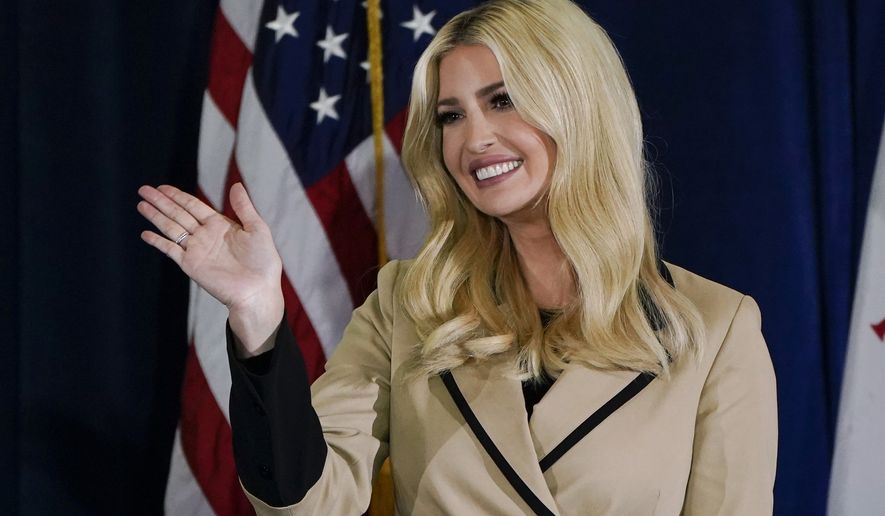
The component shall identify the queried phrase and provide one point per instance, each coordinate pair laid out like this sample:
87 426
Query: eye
447 117
501 100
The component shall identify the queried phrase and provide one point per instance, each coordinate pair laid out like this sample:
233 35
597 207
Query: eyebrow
482 92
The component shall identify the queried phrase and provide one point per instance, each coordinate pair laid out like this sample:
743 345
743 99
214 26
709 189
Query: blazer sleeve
277 438
351 409
735 448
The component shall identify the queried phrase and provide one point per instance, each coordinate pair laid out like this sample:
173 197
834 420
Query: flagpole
376 79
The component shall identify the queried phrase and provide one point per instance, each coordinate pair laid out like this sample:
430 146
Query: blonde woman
536 357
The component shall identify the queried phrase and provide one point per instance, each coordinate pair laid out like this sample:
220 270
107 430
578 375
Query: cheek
544 148
450 153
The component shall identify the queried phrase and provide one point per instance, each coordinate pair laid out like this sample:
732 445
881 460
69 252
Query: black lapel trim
510 474
619 399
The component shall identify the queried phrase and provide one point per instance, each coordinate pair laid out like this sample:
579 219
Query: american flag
287 111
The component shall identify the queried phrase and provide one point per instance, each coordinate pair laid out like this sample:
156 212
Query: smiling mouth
496 170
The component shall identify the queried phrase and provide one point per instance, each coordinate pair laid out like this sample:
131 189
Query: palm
228 262
238 265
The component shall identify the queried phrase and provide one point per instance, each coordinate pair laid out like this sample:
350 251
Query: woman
536 357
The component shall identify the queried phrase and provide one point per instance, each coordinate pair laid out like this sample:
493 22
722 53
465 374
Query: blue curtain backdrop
762 121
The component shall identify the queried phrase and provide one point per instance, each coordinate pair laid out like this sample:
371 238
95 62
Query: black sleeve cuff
278 441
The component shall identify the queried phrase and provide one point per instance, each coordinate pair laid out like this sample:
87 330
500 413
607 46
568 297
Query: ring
181 237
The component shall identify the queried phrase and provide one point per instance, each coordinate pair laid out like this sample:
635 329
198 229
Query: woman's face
501 163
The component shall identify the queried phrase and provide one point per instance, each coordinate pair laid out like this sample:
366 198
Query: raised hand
238 265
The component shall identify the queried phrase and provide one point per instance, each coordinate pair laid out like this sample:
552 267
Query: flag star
284 24
420 22
325 106
332 45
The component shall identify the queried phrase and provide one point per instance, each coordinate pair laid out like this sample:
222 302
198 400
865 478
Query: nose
480 133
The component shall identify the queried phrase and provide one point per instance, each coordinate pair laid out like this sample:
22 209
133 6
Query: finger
243 207
166 246
200 210
169 208
167 226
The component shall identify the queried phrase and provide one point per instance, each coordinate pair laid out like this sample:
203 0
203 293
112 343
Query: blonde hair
465 290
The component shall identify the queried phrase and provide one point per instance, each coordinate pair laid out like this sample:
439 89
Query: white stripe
361 167
857 480
214 151
184 496
209 340
299 236
243 16
405 220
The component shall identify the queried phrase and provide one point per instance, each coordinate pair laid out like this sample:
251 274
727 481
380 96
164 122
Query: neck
543 264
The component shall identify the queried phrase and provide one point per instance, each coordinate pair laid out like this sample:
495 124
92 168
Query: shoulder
390 283
392 273
724 311
710 297
390 279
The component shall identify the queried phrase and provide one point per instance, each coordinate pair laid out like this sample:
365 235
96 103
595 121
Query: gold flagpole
382 503
376 78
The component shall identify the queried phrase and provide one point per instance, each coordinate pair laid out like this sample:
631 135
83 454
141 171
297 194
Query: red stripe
396 128
305 335
229 62
206 442
350 231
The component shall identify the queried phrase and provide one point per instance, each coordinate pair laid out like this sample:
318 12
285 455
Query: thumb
244 209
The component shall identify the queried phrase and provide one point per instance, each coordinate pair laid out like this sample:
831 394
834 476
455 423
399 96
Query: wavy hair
465 290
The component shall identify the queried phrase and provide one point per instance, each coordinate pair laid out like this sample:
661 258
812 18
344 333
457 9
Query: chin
516 212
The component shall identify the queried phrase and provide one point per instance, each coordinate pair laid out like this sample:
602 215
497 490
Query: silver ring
181 237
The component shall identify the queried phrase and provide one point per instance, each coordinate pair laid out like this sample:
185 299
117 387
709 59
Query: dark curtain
102 96
762 122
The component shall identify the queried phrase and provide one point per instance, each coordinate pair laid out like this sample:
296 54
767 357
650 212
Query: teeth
497 169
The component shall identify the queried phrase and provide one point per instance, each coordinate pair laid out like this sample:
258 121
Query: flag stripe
183 493
229 62
406 223
360 166
350 232
396 128
208 343
305 336
243 17
217 139
206 441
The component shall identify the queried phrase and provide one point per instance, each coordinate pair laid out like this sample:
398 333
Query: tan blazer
703 442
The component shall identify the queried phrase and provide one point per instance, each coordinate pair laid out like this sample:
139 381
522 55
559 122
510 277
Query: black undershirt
535 389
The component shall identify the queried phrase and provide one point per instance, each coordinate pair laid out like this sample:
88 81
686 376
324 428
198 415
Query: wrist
255 320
